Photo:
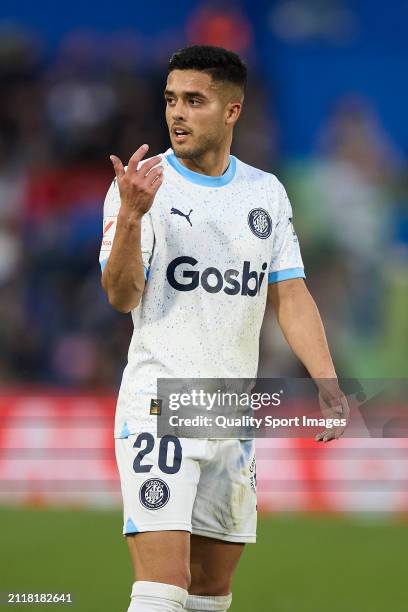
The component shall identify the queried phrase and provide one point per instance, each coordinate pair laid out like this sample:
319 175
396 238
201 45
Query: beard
196 150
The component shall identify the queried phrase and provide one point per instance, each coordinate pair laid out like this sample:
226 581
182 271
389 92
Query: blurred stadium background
326 112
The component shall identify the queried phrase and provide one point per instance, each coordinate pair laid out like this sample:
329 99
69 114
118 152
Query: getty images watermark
297 407
231 400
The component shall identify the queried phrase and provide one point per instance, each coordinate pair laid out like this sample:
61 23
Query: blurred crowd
60 119
351 210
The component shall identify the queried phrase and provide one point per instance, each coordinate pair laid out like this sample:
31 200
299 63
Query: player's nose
178 109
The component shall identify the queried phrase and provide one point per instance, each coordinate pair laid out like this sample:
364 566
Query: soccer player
195 241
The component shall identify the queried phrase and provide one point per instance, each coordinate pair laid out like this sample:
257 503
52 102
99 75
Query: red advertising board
58 449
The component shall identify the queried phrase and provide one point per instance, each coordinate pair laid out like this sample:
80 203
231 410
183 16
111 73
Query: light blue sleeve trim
281 275
146 272
103 263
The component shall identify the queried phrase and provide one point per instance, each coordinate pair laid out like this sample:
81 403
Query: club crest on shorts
154 494
260 223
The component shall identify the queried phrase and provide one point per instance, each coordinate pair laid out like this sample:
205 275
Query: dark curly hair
221 64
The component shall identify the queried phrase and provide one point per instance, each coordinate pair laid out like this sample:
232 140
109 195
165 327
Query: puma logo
176 211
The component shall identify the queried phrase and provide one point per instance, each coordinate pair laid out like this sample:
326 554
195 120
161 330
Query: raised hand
138 187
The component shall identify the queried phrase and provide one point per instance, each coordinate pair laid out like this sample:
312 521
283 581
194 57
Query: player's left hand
333 407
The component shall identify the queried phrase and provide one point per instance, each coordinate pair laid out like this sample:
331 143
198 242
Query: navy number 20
147 440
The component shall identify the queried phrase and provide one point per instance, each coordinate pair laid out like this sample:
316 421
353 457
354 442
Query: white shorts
207 487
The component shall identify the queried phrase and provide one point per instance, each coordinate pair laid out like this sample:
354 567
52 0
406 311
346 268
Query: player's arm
123 276
301 324
299 317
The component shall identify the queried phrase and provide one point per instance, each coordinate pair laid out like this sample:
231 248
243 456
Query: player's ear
233 112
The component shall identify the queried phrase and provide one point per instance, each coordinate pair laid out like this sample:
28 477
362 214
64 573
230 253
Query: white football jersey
210 247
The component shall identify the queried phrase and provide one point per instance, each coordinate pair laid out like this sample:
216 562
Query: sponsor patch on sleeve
109 226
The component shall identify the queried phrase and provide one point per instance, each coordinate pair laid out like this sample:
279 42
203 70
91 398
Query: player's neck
212 163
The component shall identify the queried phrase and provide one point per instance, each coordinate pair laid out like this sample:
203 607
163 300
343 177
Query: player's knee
204 584
182 577
152 562
178 576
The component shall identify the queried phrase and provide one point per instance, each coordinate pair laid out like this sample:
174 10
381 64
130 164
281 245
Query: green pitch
300 564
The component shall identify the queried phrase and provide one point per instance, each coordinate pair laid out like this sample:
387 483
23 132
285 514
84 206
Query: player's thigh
161 556
212 564
225 504
159 478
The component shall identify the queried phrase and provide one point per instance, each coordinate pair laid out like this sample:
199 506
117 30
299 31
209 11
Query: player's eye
195 102
169 100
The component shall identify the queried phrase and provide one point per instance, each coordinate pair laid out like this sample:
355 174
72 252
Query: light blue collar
204 179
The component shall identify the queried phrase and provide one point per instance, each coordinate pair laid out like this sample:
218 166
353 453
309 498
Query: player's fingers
333 434
342 407
148 165
117 166
157 183
153 174
324 436
137 157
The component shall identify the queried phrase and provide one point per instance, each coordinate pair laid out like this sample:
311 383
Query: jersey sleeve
110 215
286 262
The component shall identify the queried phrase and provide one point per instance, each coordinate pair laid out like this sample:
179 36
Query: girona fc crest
260 223
154 494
